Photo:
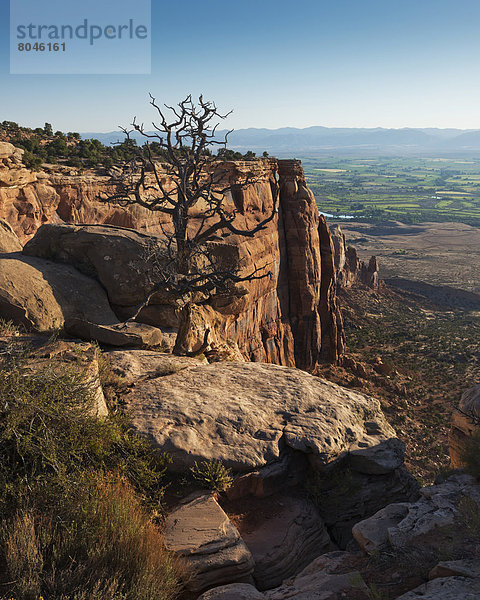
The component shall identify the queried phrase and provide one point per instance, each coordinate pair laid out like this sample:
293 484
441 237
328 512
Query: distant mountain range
320 140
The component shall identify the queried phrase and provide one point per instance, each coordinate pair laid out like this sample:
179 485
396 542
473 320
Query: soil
417 358
445 254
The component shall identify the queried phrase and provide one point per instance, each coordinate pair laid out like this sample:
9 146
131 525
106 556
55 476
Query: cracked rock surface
245 413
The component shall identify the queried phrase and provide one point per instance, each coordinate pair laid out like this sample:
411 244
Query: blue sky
352 63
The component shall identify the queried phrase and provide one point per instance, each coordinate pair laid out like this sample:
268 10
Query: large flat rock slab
140 365
244 414
201 533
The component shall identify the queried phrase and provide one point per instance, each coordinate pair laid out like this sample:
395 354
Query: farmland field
408 189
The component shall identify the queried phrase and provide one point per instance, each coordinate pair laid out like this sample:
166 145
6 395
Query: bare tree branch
175 172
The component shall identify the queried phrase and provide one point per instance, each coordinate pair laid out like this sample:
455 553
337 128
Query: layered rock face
289 318
27 199
348 266
202 534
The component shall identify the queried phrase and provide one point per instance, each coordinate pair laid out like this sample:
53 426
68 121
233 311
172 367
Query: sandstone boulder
243 414
464 424
438 507
445 588
463 568
409 523
42 295
287 541
372 533
116 334
326 578
201 533
9 241
114 255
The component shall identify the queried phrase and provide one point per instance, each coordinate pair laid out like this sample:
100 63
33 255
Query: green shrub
48 436
213 475
31 161
72 492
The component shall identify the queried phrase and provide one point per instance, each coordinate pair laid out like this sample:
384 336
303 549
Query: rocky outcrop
401 525
270 424
465 422
27 199
43 296
9 241
326 578
348 266
287 541
446 588
314 317
244 413
333 337
289 318
202 534
454 568
136 365
116 257
372 534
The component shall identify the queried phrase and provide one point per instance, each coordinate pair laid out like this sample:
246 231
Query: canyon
319 489
290 318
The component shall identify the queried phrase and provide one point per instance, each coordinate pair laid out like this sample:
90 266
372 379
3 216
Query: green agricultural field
408 189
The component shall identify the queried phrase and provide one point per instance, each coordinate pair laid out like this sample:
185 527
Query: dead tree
175 173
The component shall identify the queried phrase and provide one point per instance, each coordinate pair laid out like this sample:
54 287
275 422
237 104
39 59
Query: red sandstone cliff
290 318
348 266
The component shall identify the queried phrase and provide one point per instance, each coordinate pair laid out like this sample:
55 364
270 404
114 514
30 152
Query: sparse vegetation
42 146
75 493
101 545
434 353
213 475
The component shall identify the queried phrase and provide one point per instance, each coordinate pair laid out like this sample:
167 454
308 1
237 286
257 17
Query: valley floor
417 357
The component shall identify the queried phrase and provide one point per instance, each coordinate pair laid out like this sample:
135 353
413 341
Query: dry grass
104 546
